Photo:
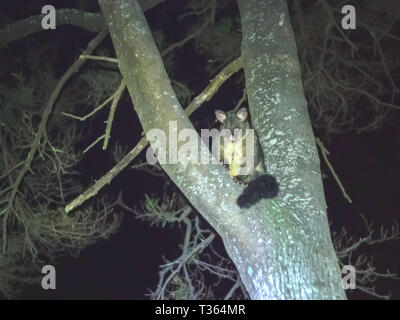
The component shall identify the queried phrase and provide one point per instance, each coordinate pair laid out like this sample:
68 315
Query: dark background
126 266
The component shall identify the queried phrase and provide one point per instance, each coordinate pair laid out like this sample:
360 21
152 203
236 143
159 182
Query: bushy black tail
264 186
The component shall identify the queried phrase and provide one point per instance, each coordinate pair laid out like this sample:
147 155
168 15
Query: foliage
34 226
348 76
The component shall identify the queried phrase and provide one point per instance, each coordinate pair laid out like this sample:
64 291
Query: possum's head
233 120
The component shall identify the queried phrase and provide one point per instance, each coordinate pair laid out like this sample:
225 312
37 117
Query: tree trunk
279 253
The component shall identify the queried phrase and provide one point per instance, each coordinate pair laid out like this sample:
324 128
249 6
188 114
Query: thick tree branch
208 187
88 21
277 256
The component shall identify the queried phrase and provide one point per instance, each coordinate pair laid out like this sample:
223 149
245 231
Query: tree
282 249
266 243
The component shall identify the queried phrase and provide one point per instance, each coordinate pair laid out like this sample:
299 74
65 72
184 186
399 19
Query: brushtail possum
233 152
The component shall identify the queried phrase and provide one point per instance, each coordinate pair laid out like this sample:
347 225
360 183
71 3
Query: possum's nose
231 138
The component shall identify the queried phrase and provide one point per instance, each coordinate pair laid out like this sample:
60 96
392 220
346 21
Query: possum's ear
242 114
220 115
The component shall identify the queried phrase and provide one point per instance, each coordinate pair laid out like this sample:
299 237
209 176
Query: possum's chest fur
233 155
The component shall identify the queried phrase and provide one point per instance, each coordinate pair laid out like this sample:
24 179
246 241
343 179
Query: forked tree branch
206 95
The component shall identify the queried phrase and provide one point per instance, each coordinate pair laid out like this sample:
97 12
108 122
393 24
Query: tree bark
279 113
280 253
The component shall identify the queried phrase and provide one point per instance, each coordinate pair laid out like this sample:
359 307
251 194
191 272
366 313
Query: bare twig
108 59
110 119
325 154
